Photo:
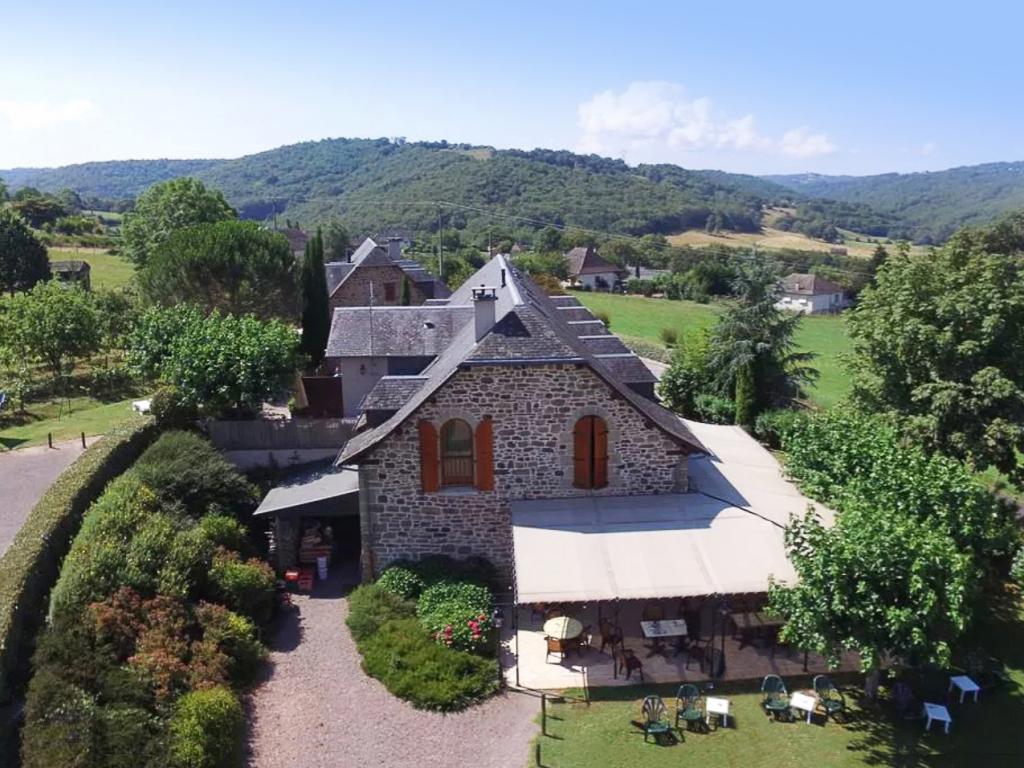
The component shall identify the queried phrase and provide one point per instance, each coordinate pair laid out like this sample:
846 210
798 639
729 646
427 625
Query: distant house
73 271
811 294
297 239
374 275
838 250
588 269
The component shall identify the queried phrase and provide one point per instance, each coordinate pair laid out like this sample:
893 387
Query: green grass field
87 415
984 734
108 270
639 317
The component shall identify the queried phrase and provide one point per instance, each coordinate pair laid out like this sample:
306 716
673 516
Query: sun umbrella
562 628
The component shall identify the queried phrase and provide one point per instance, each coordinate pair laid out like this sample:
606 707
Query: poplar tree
316 324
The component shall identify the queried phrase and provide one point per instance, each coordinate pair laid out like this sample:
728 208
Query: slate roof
391 392
583 260
337 271
565 301
528 329
70 266
395 331
605 344
627 367
372 254
575 313
809 285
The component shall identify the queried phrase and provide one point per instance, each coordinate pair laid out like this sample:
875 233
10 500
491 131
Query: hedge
31 565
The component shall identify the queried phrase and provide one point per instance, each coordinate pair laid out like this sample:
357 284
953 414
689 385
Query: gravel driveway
25 474
317 707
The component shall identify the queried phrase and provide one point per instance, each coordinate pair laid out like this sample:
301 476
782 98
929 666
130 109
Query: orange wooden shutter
485 455
581 438
429 475
600 453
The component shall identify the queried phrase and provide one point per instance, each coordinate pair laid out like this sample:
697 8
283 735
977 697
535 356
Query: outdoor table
938 713
965 685
716 705
805 702
662 628
563 628
751 623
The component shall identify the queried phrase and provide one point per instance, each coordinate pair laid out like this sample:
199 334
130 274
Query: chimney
395 248
485 301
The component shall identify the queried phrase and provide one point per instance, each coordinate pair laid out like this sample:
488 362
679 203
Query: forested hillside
928 206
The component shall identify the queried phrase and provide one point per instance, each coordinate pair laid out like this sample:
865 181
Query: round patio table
563 628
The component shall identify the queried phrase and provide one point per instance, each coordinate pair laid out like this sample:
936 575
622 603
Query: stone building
376 275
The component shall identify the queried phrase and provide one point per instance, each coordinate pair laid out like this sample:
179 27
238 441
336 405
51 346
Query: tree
746 397
405 299
336 241
939 342
216 364
548 240
316 321
166 207
37 209
687 377
235 266
23 259
54 324
3 191
753 333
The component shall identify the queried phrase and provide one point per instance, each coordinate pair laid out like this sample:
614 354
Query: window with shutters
390 291
590 453
456 453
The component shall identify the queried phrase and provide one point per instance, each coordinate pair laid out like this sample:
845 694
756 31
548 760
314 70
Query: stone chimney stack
395 248
485 301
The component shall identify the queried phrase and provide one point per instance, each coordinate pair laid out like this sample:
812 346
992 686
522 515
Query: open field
639 317
108 270
983 734
776 239
88 415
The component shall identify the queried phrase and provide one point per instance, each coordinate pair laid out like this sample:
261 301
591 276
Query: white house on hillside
811 294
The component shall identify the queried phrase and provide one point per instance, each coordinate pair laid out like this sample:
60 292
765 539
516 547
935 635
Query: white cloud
654 118
36 115
928 148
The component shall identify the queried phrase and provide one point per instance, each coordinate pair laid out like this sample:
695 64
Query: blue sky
782 87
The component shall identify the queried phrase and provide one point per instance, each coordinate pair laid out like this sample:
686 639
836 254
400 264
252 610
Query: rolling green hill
930 206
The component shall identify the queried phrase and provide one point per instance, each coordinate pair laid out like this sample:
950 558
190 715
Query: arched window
456 453
590 453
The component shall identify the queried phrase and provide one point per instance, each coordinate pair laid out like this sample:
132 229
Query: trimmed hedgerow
246 587
29 568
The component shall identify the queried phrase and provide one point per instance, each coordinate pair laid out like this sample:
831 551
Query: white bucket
321 568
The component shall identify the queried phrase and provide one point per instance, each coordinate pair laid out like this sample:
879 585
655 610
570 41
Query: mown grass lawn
88 415
985 734
107 269
643 318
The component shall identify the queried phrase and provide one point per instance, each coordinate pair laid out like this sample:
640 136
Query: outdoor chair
553 612
904 703
610 635
655 722
775 697
687 706
830 697
624 660
555 646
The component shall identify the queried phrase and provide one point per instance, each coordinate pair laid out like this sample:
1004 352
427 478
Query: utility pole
440 247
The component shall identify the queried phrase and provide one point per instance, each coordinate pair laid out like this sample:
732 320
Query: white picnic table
717 705
965 685
804 702
664 628
939 714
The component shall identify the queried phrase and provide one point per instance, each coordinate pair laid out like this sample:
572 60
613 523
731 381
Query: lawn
88 415
108 270
639 317
984 734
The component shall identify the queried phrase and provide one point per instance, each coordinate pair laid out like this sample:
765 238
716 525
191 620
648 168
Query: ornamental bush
401 579
370 606
206 730
771 427
457 614
246 587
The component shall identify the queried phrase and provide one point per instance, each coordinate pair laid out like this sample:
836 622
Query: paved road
318 708
25 474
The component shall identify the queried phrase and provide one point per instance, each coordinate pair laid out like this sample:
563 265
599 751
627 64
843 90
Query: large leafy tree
23 259
235 266
939 341
336 241
755 339
316 321
166 207
215 363
54 324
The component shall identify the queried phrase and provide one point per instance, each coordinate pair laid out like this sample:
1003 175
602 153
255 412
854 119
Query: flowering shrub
401 580
458 614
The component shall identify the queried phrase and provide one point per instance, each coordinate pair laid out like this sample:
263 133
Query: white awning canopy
323 492
725 536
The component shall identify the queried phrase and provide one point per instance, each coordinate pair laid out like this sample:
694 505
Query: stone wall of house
534 409
355 291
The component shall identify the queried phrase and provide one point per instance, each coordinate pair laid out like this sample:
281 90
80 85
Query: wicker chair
555 646
626 661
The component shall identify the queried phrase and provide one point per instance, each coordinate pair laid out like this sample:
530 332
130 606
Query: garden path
25 474
317 708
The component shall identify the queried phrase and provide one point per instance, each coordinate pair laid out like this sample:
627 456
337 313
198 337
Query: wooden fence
280 434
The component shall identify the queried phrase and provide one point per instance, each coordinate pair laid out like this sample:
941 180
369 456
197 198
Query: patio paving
593 668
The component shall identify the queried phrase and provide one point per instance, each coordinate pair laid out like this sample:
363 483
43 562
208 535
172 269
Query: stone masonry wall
355 291
534 409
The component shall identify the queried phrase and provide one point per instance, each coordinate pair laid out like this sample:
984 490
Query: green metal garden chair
830 697
688 706
654 714
775 697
